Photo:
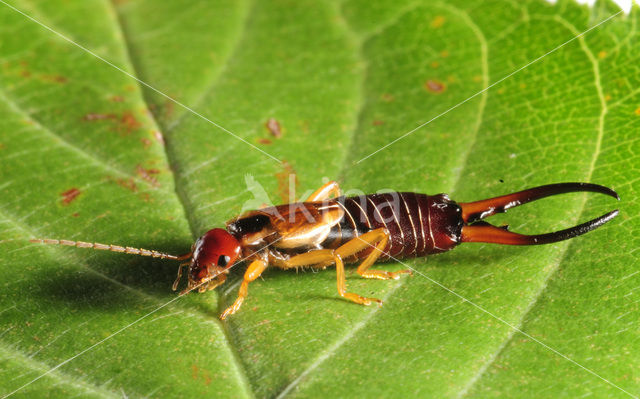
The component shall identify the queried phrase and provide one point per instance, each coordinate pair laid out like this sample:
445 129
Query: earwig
329 229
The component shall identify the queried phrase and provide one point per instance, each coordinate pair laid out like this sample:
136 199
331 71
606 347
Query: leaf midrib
240 372
370 316
241 379
215 78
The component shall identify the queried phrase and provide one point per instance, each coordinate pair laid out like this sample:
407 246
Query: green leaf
88 153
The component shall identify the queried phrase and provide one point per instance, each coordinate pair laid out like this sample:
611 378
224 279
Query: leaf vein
465 154
562 253
37 366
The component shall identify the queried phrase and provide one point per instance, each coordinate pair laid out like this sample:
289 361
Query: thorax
290 228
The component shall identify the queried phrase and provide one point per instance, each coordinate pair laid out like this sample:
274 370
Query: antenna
110 247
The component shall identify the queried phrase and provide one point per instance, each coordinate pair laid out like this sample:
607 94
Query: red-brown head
213 253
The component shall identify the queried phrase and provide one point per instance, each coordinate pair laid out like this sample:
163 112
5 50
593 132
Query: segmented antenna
109 247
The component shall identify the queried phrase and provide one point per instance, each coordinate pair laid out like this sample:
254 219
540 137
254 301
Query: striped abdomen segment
418 224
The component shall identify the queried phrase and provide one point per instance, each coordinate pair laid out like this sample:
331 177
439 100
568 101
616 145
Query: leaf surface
88 153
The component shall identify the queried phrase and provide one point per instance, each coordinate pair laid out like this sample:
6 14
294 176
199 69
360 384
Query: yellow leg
254 271
324 257
315 258
376 238
325 192
342 286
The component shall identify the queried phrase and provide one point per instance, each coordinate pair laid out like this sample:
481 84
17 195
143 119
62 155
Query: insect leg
322 258
378 238
254 271
324 192
175 283
342 286
316 258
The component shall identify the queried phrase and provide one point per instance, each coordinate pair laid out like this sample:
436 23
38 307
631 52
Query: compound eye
223 260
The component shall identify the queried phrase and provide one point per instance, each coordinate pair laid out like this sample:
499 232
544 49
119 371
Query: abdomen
418 224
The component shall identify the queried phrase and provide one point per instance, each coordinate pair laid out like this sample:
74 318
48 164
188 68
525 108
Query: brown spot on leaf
386 97
146 142
54 78
274 127
147 174
129 184
124 124
129 123
98 117
438 21
637 111
287 182
602 54
435 64
207 377
304 125
69 195
378 123
117 99
194 371
444 53
75 214
264 141
434 86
